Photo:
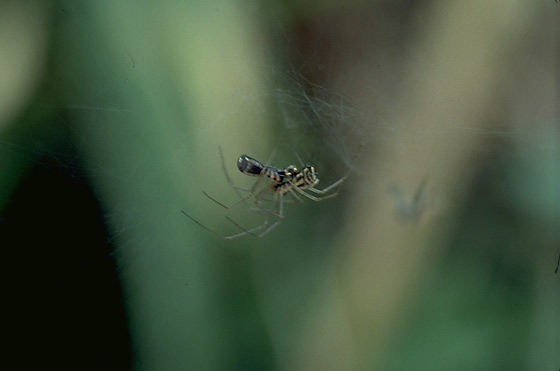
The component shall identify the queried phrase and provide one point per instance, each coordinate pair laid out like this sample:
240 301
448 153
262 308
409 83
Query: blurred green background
438 254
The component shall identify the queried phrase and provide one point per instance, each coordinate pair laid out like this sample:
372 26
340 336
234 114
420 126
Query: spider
283 183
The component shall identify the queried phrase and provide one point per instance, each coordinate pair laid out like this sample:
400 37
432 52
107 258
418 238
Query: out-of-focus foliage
438 254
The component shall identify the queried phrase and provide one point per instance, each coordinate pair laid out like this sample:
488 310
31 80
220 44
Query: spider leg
280 216
245 231
242 198
312 197
318 199
266 226
327 189
295 196
203 226
232 237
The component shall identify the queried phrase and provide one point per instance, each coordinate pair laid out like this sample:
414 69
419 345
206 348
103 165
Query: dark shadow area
62 298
